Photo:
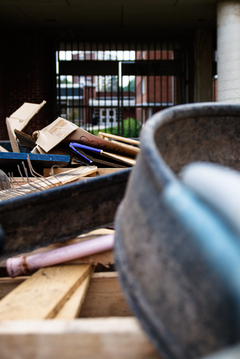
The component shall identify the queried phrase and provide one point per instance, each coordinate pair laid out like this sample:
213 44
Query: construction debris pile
59 147
64 138
58 154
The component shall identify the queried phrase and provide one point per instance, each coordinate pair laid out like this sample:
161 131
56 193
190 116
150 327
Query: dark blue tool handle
80 154
84 147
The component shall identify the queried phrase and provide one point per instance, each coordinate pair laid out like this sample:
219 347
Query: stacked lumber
71 310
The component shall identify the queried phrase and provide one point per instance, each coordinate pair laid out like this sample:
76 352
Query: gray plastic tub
180 297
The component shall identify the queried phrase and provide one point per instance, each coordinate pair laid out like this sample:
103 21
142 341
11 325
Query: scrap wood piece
101 338
19 119
74 173
100 171
73 305
43 294
105 258
48 182
7 284
105 297
123 159
106 136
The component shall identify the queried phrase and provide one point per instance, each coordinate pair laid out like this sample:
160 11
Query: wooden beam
7 284
44 293
123 159
114 338
99 172
72 307
106 136
81 171
104 297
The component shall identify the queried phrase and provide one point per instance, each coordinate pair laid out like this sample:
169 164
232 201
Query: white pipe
228 49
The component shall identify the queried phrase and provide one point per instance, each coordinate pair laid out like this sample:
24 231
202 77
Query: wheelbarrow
177 255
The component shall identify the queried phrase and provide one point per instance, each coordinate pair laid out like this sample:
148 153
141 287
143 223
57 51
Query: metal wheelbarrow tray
60 213
180 299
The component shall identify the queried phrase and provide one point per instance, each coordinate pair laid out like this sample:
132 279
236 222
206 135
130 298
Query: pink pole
23 265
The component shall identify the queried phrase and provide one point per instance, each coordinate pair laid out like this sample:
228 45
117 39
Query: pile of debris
56 155
64 138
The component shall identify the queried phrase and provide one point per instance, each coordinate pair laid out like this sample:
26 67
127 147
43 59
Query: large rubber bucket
176 284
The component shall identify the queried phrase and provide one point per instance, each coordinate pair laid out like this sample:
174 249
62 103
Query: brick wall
27 74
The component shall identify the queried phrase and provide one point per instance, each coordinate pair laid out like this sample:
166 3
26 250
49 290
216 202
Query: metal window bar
161 89
118 96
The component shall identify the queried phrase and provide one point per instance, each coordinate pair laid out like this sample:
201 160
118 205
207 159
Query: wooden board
105 136
123 159
44 293
100 171
103 338
104 296
7 284
108 338
72 307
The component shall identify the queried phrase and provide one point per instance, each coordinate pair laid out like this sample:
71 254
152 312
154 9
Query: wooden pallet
69 312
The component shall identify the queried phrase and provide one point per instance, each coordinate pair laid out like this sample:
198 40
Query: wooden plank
105 136
104 297
110 338
72 307
44 293
123 159
99 172
8 284
106 171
